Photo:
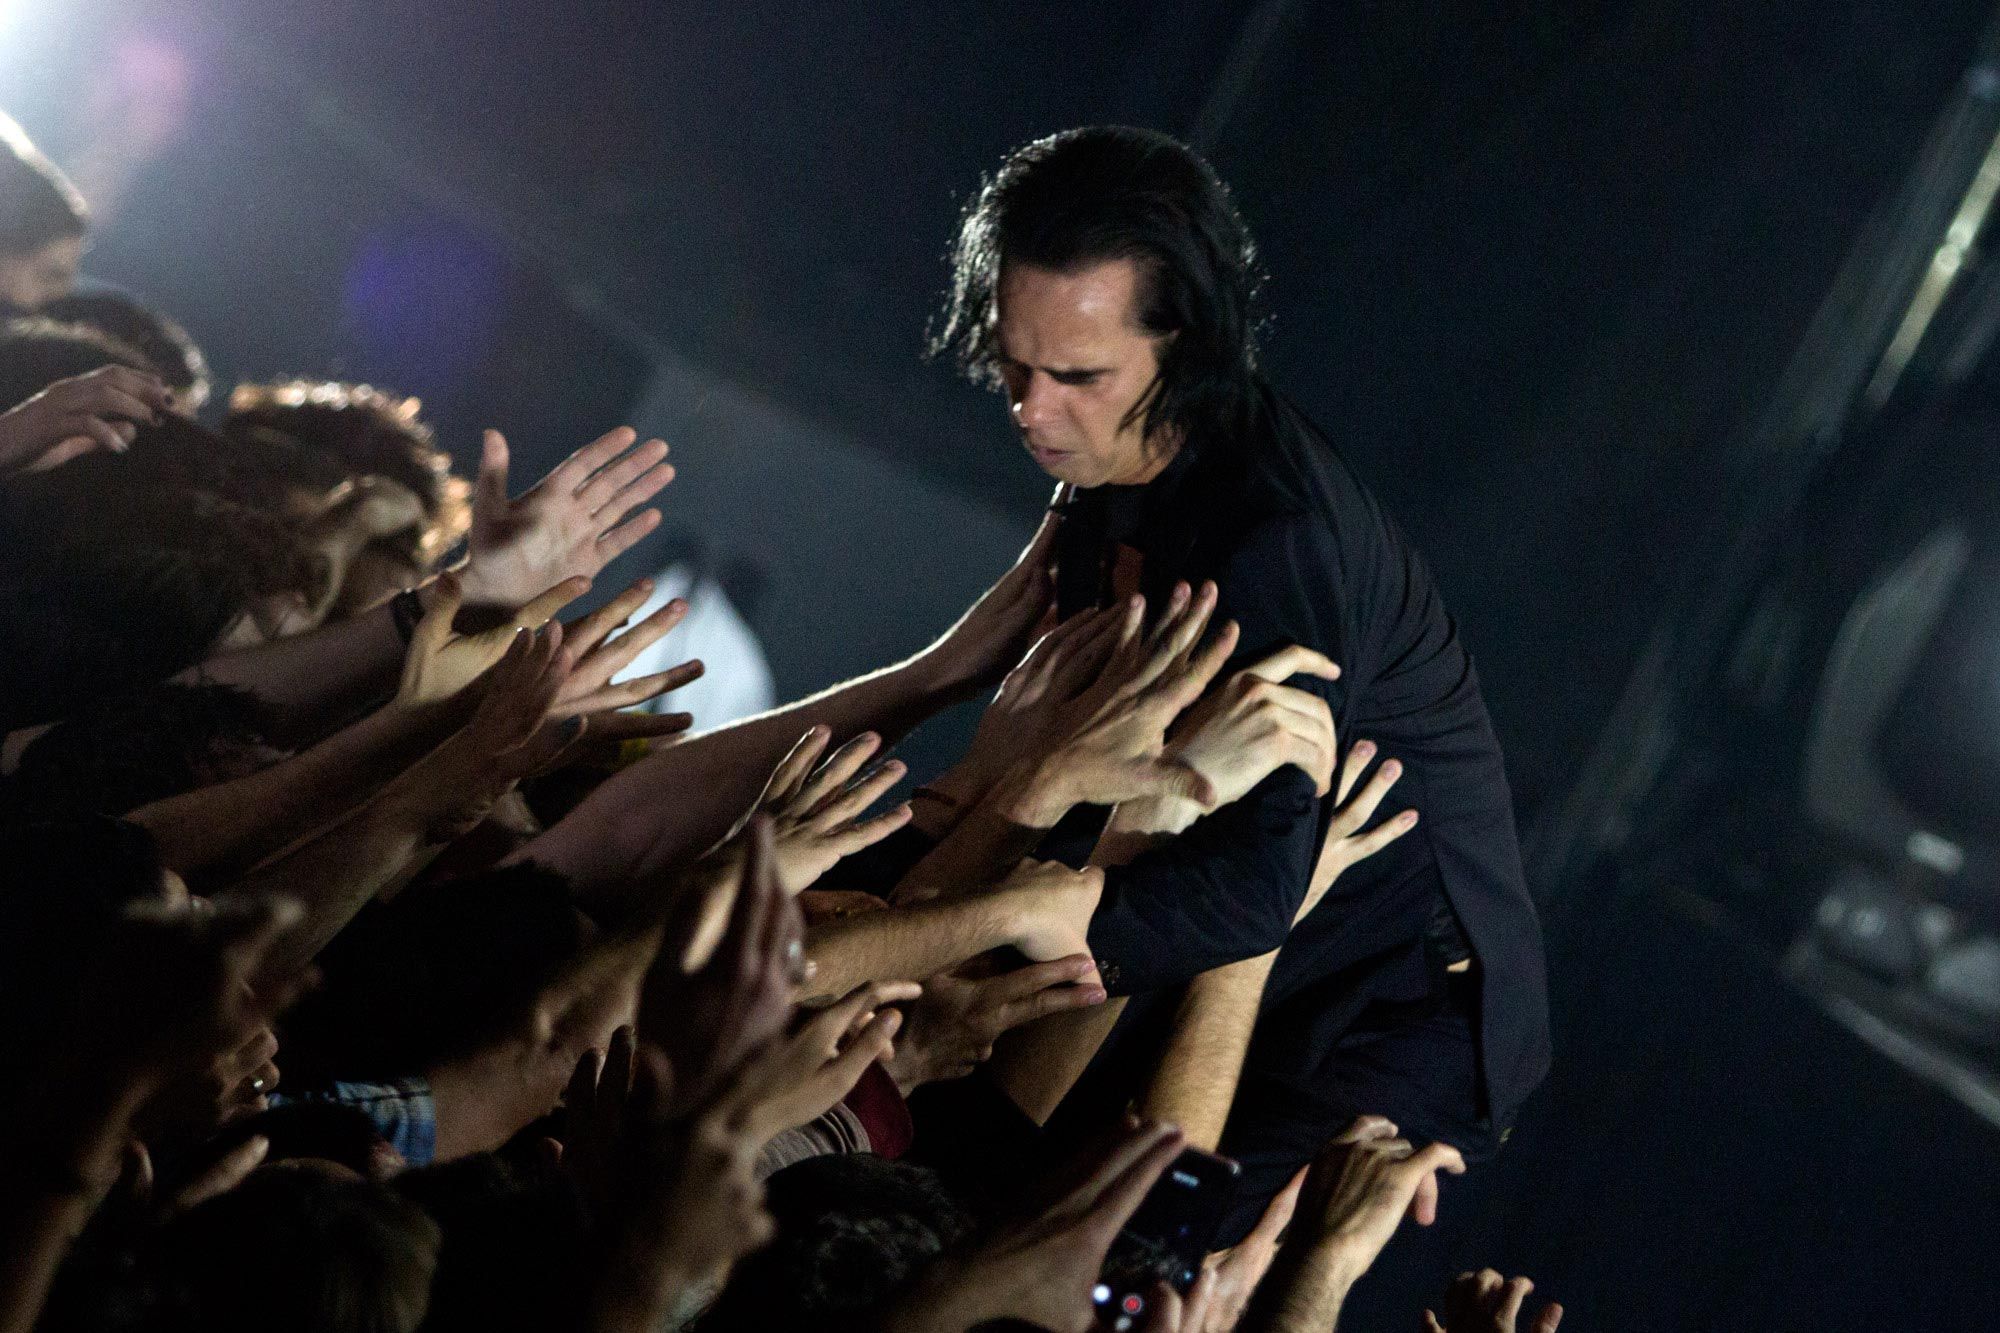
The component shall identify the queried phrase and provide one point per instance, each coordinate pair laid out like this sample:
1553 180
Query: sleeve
1229 887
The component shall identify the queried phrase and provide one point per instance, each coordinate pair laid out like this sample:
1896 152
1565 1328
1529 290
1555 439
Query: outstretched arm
678 802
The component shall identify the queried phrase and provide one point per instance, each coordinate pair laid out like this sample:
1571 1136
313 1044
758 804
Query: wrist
1033 794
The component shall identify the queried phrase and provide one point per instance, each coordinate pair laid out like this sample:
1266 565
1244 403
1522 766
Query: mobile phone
1169 1236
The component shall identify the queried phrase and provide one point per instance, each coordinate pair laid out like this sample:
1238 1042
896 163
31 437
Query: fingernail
1094 995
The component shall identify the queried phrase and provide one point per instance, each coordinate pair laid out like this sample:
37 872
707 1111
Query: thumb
1174 779
434 629
489 490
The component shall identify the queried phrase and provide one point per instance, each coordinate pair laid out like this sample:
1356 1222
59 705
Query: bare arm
678 802
223 830
1042 910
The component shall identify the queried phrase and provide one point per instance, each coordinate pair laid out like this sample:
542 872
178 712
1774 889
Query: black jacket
1303 554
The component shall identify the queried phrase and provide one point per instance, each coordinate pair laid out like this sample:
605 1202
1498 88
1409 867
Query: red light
1133 1304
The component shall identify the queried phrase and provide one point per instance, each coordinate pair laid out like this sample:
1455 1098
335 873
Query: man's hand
950 1030
1368 1181
709 1001
674 1200
571 524
799 1077
991 636
1049 907
441 661
1485 1302
1233 1274
1255 724
816 812
1026 710
1348 837
602 652
100 410
1041 1271
1113 743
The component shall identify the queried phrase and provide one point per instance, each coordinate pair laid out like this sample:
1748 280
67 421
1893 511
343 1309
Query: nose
1034 403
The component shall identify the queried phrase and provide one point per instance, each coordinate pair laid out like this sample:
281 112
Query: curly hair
167 347
339 430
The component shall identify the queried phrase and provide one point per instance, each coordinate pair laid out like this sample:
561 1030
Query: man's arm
1041 910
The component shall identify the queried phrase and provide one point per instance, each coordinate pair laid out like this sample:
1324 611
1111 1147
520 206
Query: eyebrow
1057 371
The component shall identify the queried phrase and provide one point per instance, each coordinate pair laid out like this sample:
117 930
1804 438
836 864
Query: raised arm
679 801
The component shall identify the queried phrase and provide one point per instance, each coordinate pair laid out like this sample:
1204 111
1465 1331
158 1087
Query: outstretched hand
1042 1270
816 808
441 661
950 1029
1113 746
1486 1302
991 636
571 524
1368 1180
1349 838
603 649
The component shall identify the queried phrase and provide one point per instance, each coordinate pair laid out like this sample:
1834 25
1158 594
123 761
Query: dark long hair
1108 192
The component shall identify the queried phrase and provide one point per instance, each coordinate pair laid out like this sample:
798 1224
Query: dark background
1537 266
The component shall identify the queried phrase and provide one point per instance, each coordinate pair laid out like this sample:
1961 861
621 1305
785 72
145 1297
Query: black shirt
1302 553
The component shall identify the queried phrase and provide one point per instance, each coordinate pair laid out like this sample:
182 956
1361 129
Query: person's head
67 882
852 1231
128 748
310 1250
42 224
437 973
36 352
333 432
168 349
514 1242
1104 280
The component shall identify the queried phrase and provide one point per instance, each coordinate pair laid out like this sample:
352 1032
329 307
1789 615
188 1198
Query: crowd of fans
369 963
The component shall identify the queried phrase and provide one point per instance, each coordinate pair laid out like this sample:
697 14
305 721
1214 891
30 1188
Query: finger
626 694
1179 635
1051 1000
245 927
854 800
101 431
621 651
1172 779
1431 1324
543 608
1373 841
613 728
1292 661
628 534
1208 663
252 1056
568 477
1128 1148
593 629
759 944
1486 1287
1022 982
1423 1209
1367 1127
843 764
621 472
107 399
489 488
434 630
580 1094
637 491
226 1174
791 772
1511 1297
1356 813
1358 759
1278 1213
1114 1208
1549 1319
871 831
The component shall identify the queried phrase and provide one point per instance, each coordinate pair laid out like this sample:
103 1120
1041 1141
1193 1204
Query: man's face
1076 362
31 281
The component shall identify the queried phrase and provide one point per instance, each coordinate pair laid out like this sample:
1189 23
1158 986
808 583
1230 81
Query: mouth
1047 457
